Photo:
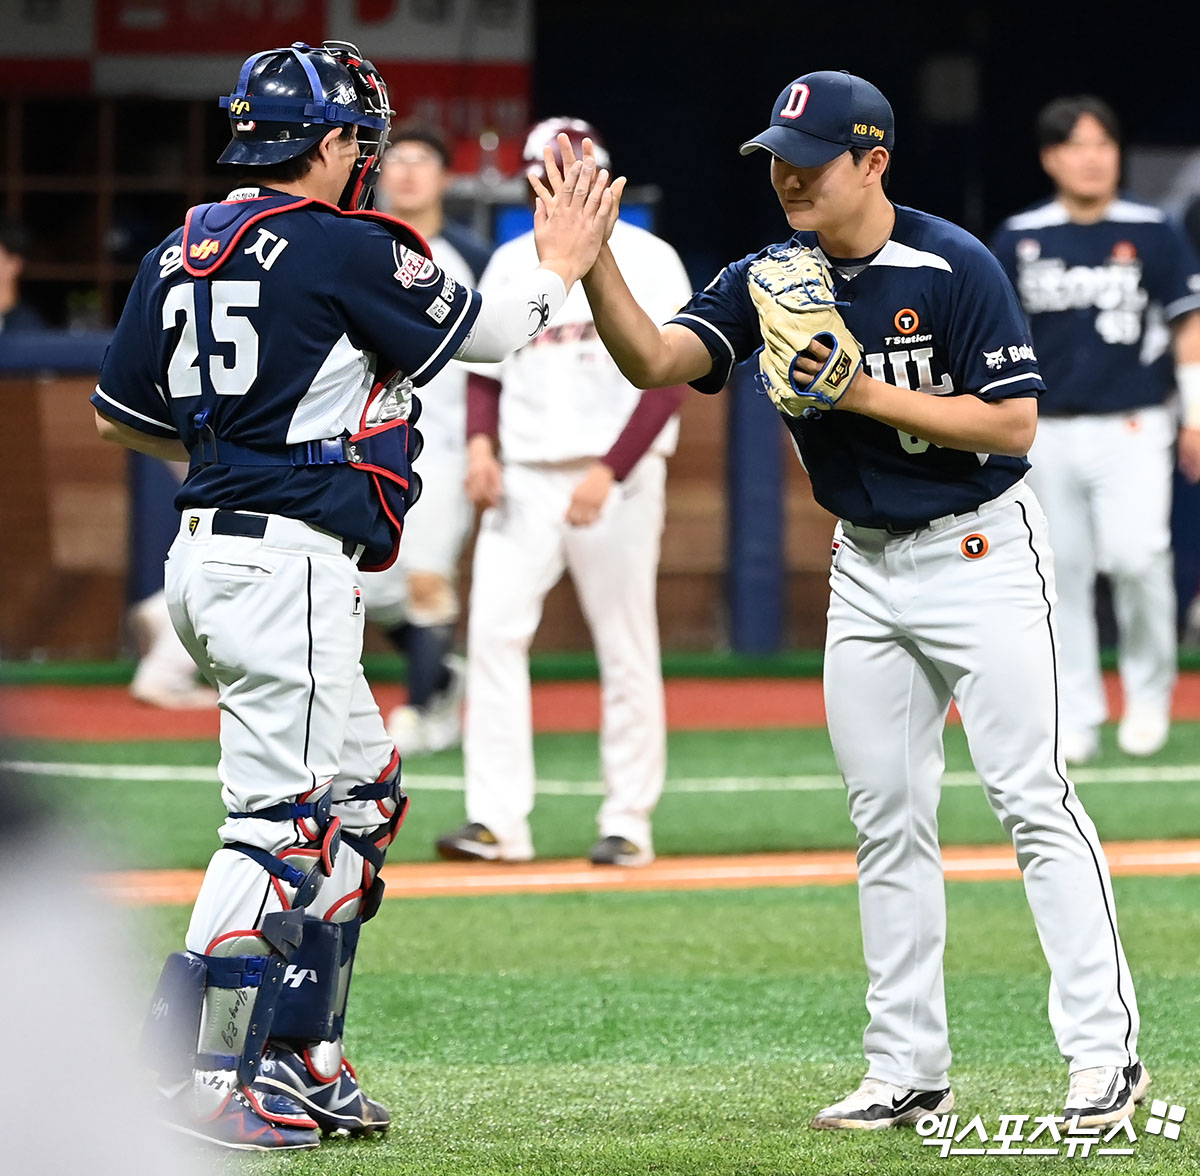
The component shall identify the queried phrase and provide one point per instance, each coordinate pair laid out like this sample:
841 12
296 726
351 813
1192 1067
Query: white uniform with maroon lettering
563 404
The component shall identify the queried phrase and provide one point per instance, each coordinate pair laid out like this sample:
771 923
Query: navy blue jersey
932 311
1099 298
282 344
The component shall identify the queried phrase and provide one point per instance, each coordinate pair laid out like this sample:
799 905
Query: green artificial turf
681 1033
678 1033
727 792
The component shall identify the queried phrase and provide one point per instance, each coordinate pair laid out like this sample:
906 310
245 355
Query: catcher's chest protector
384 450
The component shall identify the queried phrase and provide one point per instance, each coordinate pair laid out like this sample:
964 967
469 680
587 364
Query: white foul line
421 782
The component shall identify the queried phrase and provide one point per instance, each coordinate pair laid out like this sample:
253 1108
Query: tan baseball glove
794 297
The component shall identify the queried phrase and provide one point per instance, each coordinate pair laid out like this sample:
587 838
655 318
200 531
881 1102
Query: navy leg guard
211 1014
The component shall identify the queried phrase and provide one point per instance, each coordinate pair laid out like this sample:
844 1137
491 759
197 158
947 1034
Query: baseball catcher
796 307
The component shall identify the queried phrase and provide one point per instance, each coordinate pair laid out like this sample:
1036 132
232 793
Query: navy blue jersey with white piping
281 345
933 311
1100 298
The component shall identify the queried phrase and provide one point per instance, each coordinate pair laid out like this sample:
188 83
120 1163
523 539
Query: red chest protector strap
211 232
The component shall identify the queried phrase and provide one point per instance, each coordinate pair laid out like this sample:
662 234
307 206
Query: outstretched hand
570 218
567 150
575 210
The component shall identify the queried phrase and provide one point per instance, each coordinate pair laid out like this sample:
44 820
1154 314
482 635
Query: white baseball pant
522 548
1105 483
276 624
913 624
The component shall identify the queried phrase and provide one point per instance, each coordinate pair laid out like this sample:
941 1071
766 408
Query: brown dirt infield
108 713
444 879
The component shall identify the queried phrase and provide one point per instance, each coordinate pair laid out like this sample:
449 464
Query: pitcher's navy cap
822 114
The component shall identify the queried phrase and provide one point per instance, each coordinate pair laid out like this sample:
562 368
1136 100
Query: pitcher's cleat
875 1105
1105 1094
337 1104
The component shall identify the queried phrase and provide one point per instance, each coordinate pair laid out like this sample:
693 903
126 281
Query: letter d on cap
797 100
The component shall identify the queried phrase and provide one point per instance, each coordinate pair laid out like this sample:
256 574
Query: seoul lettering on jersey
1099 298
929 309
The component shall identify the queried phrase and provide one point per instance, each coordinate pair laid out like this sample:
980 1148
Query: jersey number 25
234 330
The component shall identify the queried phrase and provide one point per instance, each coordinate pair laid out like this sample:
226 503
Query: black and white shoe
877 1104
619 851
1105 1094
474 842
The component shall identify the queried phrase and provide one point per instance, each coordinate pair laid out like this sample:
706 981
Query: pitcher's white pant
276 624
1105 483
520 553
914 623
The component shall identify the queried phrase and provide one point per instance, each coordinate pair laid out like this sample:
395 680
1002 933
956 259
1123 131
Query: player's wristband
1187 380
512 317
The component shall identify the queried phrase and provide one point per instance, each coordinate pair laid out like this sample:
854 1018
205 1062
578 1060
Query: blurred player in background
416 600
577 483
276 340
1111 288
15 313
165 675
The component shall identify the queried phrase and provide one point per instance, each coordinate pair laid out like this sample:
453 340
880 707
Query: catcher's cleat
244 1123
1105 1094
337 1104
474 842
875 1105
619 851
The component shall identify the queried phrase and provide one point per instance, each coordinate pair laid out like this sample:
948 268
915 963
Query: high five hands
575 210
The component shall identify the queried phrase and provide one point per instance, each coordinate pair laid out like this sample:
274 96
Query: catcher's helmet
288 99
546 133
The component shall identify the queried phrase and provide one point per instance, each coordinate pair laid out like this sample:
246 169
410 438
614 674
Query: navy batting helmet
545 134
286 100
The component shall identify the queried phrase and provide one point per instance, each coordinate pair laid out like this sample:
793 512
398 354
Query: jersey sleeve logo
539 312
412 269
995 360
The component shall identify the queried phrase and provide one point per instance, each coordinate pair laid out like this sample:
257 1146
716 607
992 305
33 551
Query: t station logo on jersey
412 269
